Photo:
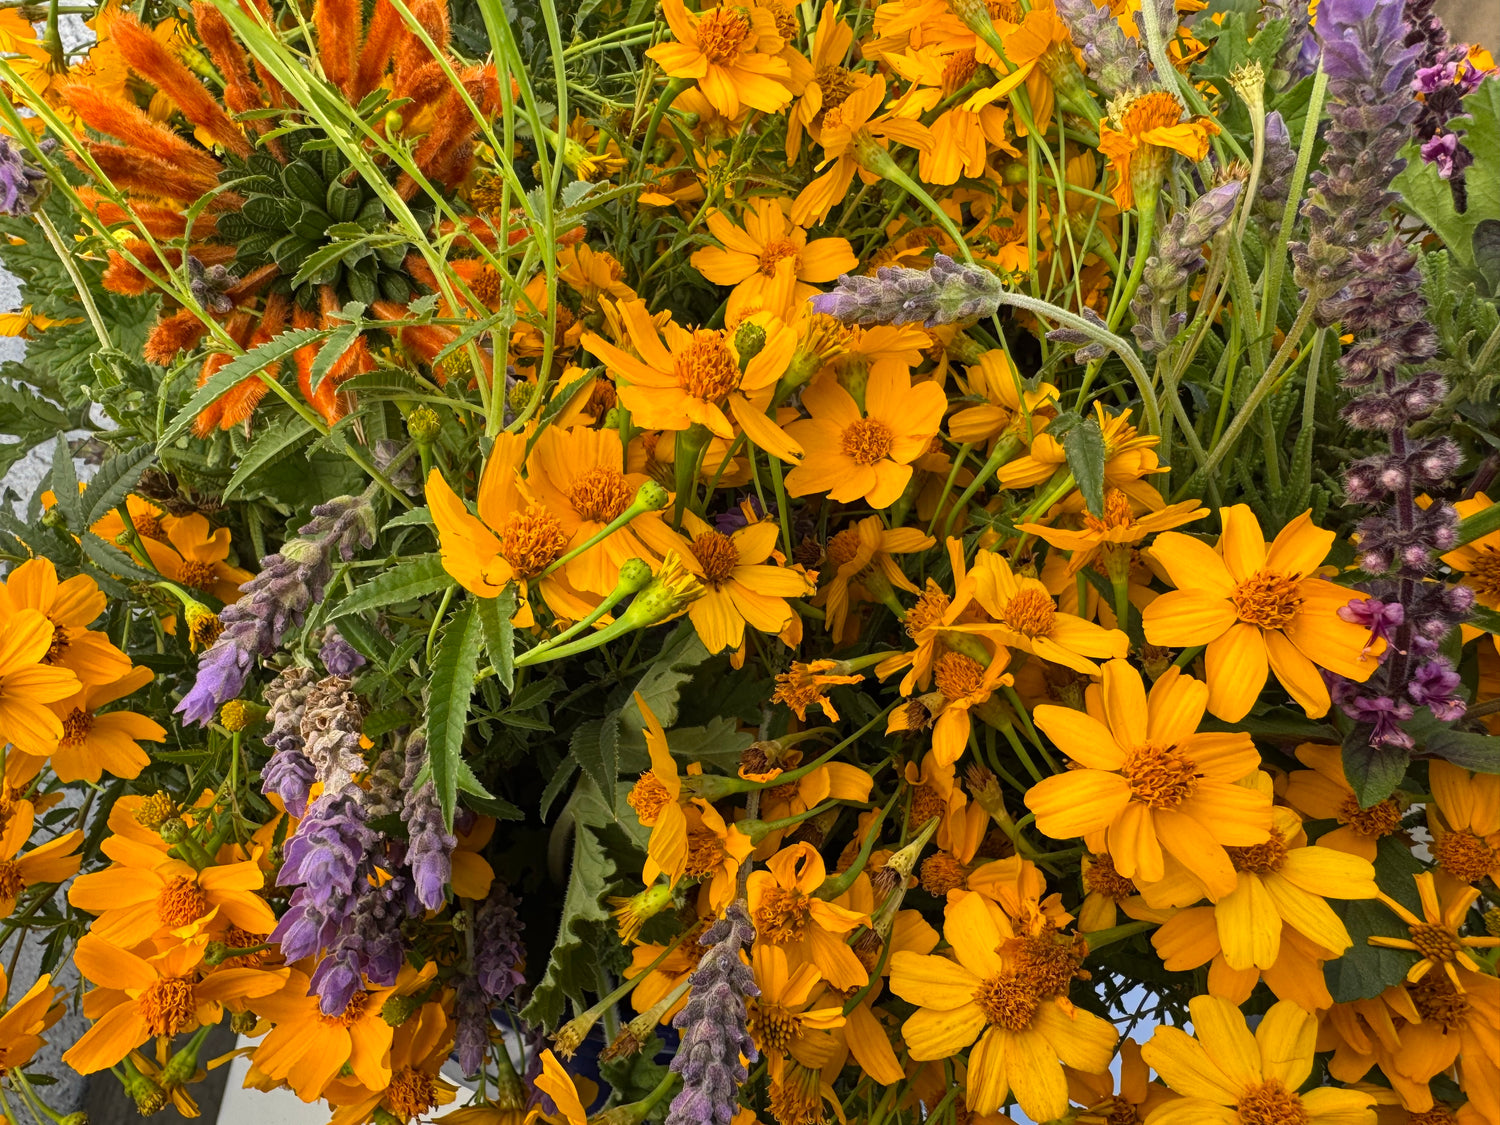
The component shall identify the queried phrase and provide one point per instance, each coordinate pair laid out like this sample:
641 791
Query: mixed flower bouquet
918 561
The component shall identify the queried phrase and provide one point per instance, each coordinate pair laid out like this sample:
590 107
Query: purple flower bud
943 294
713 1026
21 183
429 853
499 951
339 657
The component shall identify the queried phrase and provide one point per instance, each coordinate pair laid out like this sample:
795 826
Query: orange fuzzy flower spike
413 58
241 93
162 222
172 335
150 58
338 26
240 401
133 171
122 119
375 56
239 328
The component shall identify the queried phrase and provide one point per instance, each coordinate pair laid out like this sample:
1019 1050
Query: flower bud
424 425
749 340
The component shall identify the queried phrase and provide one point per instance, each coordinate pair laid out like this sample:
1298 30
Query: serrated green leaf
274 443
500 634
600 755
242 367
331 352
450 684
64 482
404 582
1084 447
557 783
417 517
112 560
113 482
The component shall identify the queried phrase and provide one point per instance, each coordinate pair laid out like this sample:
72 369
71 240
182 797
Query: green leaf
1084 446
404 582
64 483
598 752
242 367
1374 772
331 352
417 517
112 560
450 686
1479 753
500 634
1480 524
274 443
1366 970
660 687
1487 251
113 482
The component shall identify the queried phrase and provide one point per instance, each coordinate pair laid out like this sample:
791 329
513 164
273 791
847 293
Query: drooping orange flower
787 913
854 453
1119 526
1145 131
94 744
731 51
1011 408
27 685
22 1024
806 685
52 862
1259 607
1028 619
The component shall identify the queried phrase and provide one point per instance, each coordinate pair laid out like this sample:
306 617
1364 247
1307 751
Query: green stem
84 294
1270 290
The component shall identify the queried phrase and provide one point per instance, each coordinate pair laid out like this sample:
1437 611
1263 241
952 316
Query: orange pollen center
941 873
722 34
169 1005
486 286
797 1101
836 84
1484 575
196 575
773 1027
600 494
705 852
352 1013
237 938
1437 1115
1375 821
1271 1103
648 797
774 253
782 916
1260 859
155 810
843 547
1267 599
797 692
958 676
706 369
76 728
11 882
959 68
1117 1111
1100 877
867 441
410 1094
532 540
1434 942
717 555
59 644
1154 110
926 803
1047 962
1437 1001
1117 513
1160 776
181 901
1030 612
148 526
928 611
1007 1001
1465 856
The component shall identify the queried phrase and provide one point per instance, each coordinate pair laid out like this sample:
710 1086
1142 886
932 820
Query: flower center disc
1117 513
410 1094
717 555
1100 877
1267 599
775 253
180 902
648 797
1260 859
1377 820
1437 1001
782 916
1485 575
76 728
1465 856
958 676
1031 612
352 1013
868 441
169 1005
196 575
1271 1103
11 883
1007 1002
773 1026
722 33
707 369
1160 776
532 540
1434 942
600 494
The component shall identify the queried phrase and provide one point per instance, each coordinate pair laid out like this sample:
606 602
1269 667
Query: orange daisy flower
27 685
1148 129
731 51
750 255
52 862
195 558
853 453
94 744
788 914
22 1024
70 606
1259 606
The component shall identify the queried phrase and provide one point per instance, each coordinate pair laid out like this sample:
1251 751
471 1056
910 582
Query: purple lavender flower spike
429 854
943 294
1116 62
713 1026
369 947
338 655
20 183
498 949
275 601
1178 259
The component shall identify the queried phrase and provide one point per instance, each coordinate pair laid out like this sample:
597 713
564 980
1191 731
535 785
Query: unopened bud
749 339
424 425
174 830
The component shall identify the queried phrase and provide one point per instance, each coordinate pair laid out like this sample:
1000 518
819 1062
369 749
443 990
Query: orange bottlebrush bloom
1322 792
145 895
694 376
787 914
1029 620
732 53
195 558
1008 991
853 453
743 587
52 862
70 607
1435 936
307 1050
22 1024
147 137
860 552
1149 782
749 256
337 23
1258 605
1148 129
27 685
156 998
515 538
172 335
94 744
1465 823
